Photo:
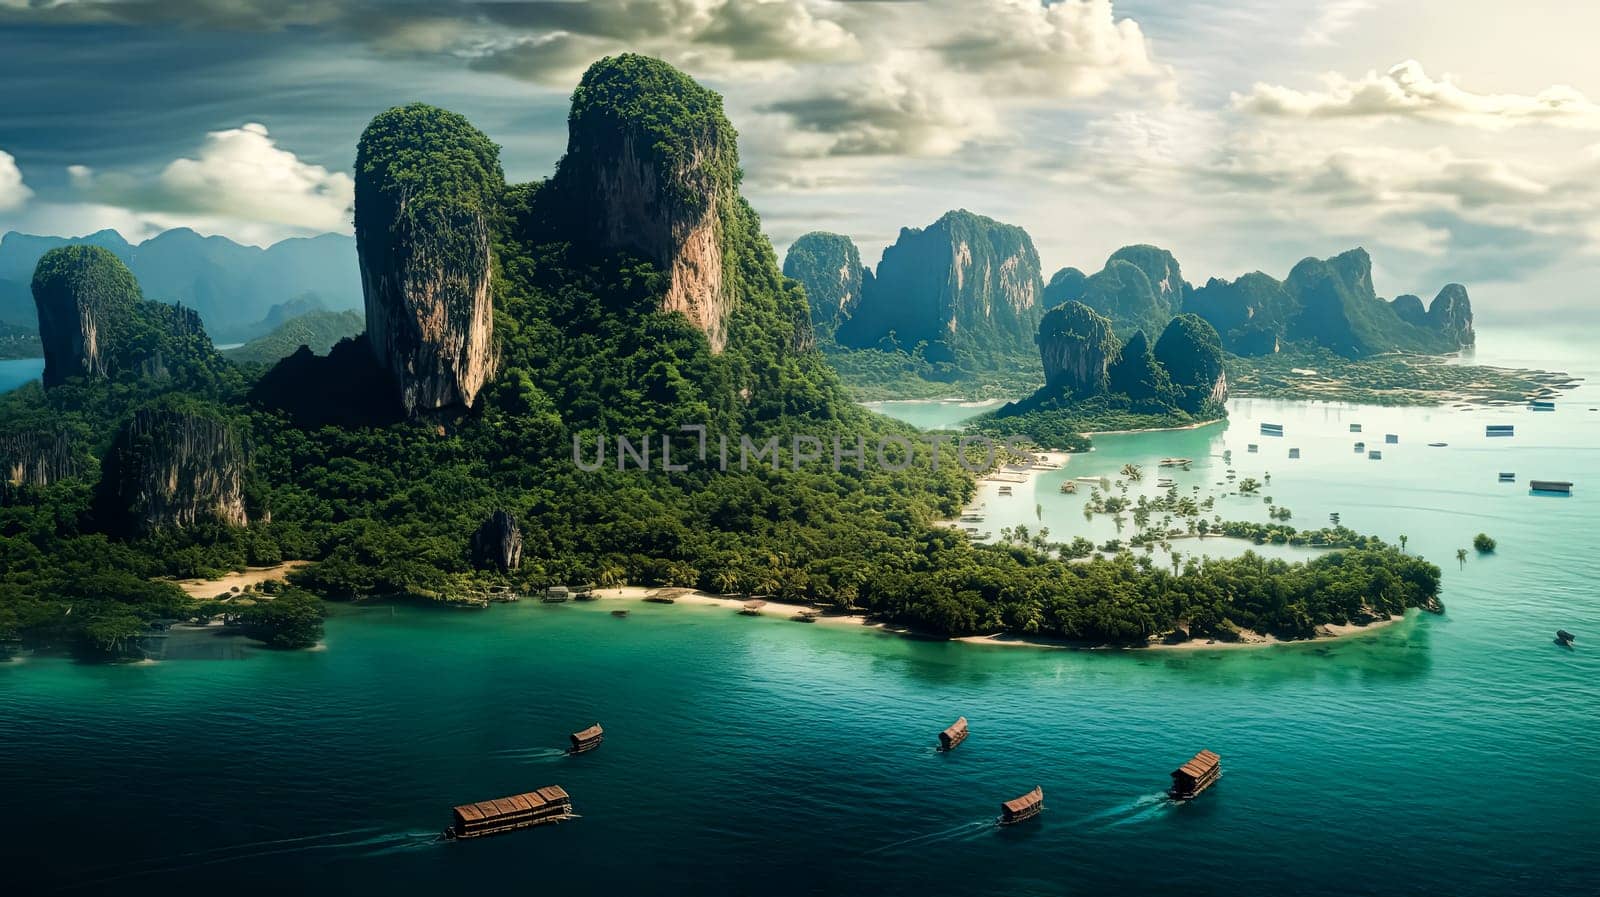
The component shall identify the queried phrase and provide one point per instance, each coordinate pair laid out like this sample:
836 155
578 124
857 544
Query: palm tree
1403 541
609 575
1133 472
727 581
1461 557
1177 557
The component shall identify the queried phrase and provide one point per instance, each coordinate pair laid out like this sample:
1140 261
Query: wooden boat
491 817
1175 462
1025 807
1561 486
957 733
1069 488
1565 637
587 740
1200 773
1437 444
805 616
752 608
619 613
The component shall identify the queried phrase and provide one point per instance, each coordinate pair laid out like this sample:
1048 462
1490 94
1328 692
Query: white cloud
1333 18
239 174
13 192
1406 90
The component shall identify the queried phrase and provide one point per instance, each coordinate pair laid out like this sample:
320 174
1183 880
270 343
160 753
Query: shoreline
785 610
1194 426
205 589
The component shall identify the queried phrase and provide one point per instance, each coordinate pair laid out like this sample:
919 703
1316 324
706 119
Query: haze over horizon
1241 136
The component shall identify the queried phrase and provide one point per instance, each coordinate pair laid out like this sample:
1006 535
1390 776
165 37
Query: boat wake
371 840
1140 809
963 832
532 755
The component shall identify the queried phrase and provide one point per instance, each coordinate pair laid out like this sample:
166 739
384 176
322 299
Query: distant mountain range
233 287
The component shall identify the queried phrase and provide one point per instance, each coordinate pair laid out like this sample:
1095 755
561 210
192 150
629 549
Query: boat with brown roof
1200 773
1025 807
491 817
587 740
954 735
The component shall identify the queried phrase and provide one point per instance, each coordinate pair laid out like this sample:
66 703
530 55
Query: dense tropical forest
632 293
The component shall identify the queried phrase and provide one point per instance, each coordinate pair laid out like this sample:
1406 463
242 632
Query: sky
1457 140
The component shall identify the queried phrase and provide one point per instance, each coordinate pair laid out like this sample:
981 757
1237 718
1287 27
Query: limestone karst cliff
652 168
85 297
172 466
966 282
38 457
1077 347
1450 314
1191 352
497 544
427 183
829 267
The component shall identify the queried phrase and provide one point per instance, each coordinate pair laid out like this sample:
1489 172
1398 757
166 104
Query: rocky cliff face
1451 315
1191 352
85 297
1409 309
172 467
654 182
829 267
38 457
1251 313
966 280
1077 347
497 544
1159 265
426 183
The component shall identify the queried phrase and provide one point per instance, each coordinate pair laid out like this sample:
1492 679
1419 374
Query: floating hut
1561 486
1391 439
1355 428
587 740
1272 429
957 733
1507 477
1294 453
491 817
1252 448
1200 773
1565 637
585 594
1175 462
555 595
1361 447
1069 488
1375 455
1499 430
752 608
1541 405
1025 807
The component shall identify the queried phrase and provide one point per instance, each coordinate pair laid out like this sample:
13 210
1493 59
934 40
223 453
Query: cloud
239 173
896 107
974 68
13 192
1333 18
1407 91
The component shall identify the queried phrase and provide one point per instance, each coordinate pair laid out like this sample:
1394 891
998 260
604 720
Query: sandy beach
784 610
1193 426
211 588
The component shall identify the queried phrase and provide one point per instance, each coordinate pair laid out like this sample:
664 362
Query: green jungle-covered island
429 454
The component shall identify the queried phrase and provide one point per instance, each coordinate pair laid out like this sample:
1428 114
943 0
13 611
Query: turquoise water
1456 755
16 371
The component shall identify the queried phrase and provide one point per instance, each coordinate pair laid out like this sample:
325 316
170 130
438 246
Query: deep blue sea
1457 754
16 371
